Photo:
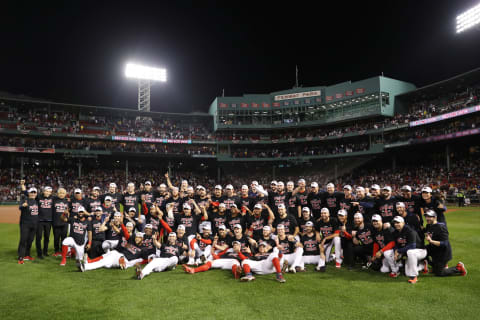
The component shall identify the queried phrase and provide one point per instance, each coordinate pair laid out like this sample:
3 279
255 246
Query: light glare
137 71
468 19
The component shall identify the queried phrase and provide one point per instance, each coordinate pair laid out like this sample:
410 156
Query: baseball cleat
280 278
20 261
203 259
292 270
138 271
461 267
425 267
247 278
57 254
63 263
28 258
81 266
338 265
85 258
412 280
393 275
321 269
238 272
299 269
122 263
187 269
285 266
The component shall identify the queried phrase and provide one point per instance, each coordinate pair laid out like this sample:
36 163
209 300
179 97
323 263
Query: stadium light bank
468 19
145 76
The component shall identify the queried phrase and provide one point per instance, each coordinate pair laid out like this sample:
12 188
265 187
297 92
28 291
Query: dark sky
75 51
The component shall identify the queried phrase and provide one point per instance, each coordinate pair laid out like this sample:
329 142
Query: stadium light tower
145 75
468 19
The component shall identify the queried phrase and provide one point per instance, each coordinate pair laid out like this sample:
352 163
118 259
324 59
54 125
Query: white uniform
388 262
264 266
111 260
108 245
79 250
294 259
412 266
328 249
159 265
224 264
310 260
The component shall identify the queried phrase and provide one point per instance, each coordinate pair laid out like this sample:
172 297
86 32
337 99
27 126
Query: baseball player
374 191
438 249
131 199
301 196
278 196
115 197
228 261
306 217
311 248
98 233
169 253
314 200
222 241
237 216
362 239
385 206
259 219
345 236
430 203
411 201
363 204
126 255
411 219
291 199
45 217
219 217
289 222
346 201
383 245
113 233
328 228
290 248
409 244
94 200
108 206
263 262
77 202
79 228
331 199
60 228
160 195
28 224
202 245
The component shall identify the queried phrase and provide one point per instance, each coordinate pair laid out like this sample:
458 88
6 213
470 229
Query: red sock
246 268
234 269
64 253
205 267
144 261
73 252
94 259
192 244
276 264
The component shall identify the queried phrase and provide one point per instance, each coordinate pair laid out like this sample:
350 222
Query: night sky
75 51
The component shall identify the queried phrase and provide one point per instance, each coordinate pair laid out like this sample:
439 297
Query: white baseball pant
412 266
224 264
310 260
337 242
159 265
108 245
264 266
111 260
388 262
294 259
79 250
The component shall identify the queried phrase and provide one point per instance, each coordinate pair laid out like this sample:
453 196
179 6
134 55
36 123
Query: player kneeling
79 226
228 261
126 255
169 253
291 249
383 244
263 263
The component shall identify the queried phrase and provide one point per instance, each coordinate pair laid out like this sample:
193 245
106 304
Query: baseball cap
400 204
148 183
406 188
431 213
376 217
222 227
175 189
314 185
274 182
186 206
290 183
207 227
113 185
132 209
387 188
258 206
342 212
254 183
281 206
96 188
142 217
375 187
148 226
358 215
181 227
280 184
99 209
330 185
201 188
309 224
139 234
307 209
361 189
280 226
219 187
172 234
267 228
185 181
47 188
131 184
190 188
108 198
32 190
163 185
348 187
244 187
427 189
236 242
129 224
325 210
233 205
301 181
229 187
398 219
117 214
77 191
237 226
262 243
81 209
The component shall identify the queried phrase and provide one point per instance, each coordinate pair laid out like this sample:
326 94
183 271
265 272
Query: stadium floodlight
145 75
468 19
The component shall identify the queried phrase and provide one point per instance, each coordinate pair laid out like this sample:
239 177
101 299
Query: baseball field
43 290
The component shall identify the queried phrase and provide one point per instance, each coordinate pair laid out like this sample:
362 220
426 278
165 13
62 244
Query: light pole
468 19
145 75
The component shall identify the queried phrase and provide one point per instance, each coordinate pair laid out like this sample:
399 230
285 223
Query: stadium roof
436 88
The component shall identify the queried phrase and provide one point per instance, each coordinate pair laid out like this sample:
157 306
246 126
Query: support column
21 167
447 156
335 173
79 168
126 172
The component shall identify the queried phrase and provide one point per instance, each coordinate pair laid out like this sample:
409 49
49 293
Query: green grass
42 289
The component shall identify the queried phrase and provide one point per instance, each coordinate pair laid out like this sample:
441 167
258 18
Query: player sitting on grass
383 245
290 248
263 262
